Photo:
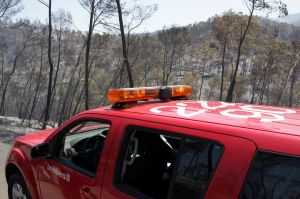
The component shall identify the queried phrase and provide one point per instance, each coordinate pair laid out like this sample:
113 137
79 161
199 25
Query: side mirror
40 151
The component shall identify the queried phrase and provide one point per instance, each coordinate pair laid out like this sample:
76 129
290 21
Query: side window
196 165
273 176
163 166
82 145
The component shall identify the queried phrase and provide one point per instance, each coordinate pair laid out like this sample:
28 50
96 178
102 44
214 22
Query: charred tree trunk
229 96
202 80
124 47
57 69
292 89
280 100
68 91
87 55
49 92
223 70
37 88
6 82
61 92
27 106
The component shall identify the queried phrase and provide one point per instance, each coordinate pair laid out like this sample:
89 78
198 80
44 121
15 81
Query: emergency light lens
132 94
145 93
181 90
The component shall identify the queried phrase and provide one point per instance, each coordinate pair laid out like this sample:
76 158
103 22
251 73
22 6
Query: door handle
85 193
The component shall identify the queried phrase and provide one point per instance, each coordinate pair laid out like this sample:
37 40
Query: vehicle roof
267 118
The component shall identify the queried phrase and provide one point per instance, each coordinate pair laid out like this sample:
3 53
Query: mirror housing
40 151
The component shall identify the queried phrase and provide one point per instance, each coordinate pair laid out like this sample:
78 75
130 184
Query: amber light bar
132 94
181 90
147 93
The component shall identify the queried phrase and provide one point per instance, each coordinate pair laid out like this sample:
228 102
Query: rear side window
160 166
273 176
197 162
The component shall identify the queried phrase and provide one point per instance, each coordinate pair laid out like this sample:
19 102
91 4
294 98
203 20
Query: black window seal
173 177
252 162
183 137
57 143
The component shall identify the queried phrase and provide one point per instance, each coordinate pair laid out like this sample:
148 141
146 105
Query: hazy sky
178 12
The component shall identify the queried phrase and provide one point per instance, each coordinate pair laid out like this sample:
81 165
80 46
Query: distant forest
50 72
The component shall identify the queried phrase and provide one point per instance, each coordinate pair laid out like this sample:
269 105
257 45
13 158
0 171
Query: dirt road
4 148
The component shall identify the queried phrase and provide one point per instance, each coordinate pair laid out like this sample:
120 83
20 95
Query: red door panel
228 178
58 181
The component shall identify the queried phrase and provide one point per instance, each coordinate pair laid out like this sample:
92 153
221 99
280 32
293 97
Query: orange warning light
147 93
181 90
132 94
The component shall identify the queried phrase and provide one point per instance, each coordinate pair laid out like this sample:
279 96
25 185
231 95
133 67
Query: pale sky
177 12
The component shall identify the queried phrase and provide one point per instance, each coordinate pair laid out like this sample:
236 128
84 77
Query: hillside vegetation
201 54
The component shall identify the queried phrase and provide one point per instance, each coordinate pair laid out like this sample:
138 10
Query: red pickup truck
168 148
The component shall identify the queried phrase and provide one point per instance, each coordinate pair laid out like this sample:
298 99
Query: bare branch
44 3
9 8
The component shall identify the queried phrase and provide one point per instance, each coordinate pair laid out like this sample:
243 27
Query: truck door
166 161
77 166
